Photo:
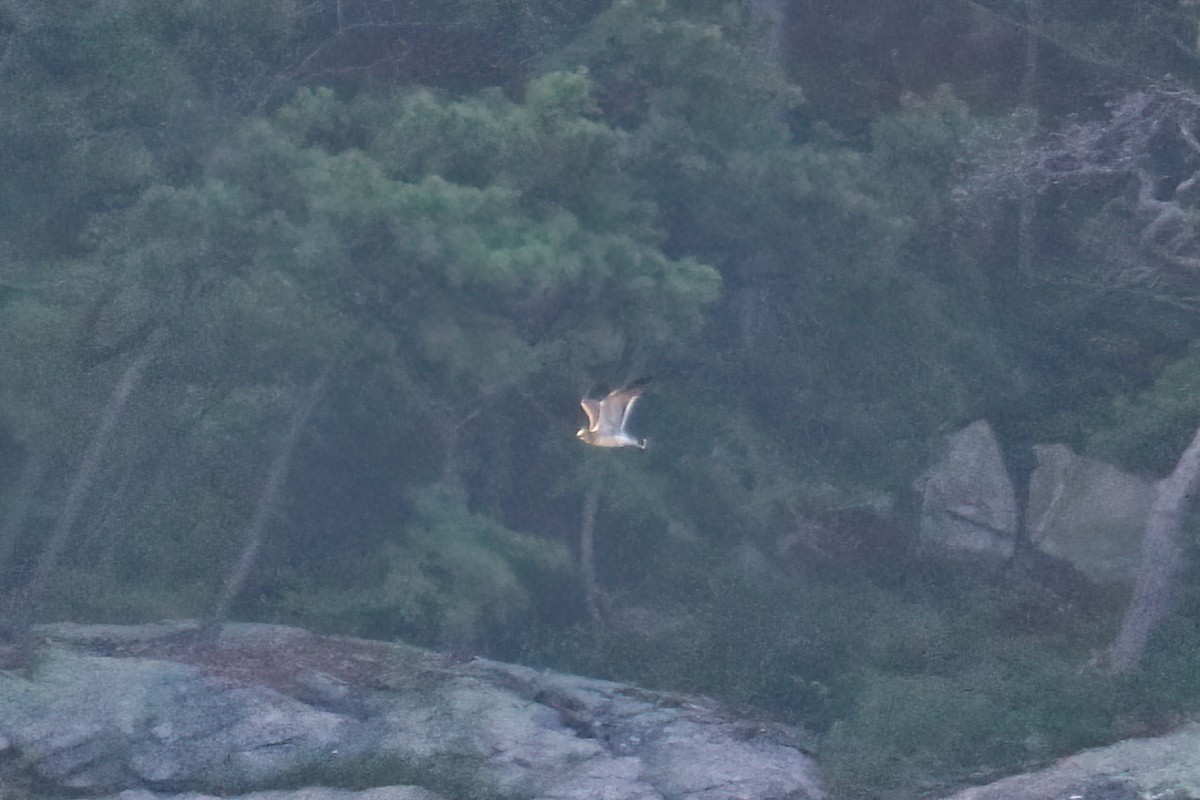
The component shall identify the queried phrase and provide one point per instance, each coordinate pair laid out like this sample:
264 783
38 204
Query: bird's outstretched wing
630 396
614 410
610 413
593 409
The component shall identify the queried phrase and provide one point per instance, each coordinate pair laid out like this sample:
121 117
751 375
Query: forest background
297 302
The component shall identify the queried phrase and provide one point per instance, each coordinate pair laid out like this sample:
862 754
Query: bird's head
582 432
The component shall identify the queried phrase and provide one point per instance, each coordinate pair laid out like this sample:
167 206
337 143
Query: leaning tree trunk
1161 553
1027 205
22 499
587 554
266 502
20 611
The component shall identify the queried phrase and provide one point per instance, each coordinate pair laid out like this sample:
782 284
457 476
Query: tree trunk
587 554
21 606
1027 206
266 501
1161 553
28 483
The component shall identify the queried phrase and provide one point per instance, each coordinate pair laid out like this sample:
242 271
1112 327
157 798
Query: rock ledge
278 713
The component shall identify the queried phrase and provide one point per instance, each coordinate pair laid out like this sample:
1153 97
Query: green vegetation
456 776
468 214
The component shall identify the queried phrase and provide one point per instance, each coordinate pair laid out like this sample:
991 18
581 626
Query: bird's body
607 418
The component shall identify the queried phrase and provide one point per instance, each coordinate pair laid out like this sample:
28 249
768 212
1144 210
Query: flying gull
607 418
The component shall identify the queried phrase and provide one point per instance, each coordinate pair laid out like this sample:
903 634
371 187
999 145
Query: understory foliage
455 219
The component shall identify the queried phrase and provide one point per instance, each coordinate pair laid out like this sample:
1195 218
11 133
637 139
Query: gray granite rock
307 793
1165 767
161 709
1088 513
968 504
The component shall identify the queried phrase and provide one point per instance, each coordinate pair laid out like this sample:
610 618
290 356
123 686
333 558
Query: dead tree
1161 553
1145 159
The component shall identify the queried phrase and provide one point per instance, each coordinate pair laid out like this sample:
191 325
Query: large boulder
175 712
968 505
1166 767
1087 513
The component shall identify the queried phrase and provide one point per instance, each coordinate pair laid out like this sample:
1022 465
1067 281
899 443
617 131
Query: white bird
607 418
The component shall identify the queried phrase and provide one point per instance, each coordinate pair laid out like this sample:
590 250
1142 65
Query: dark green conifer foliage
104 100
653 198
331 228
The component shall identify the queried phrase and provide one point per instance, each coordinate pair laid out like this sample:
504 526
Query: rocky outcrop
1166 767
307 793
968 505
261 709
1087 513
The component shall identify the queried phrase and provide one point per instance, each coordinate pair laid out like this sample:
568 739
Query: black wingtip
639 383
